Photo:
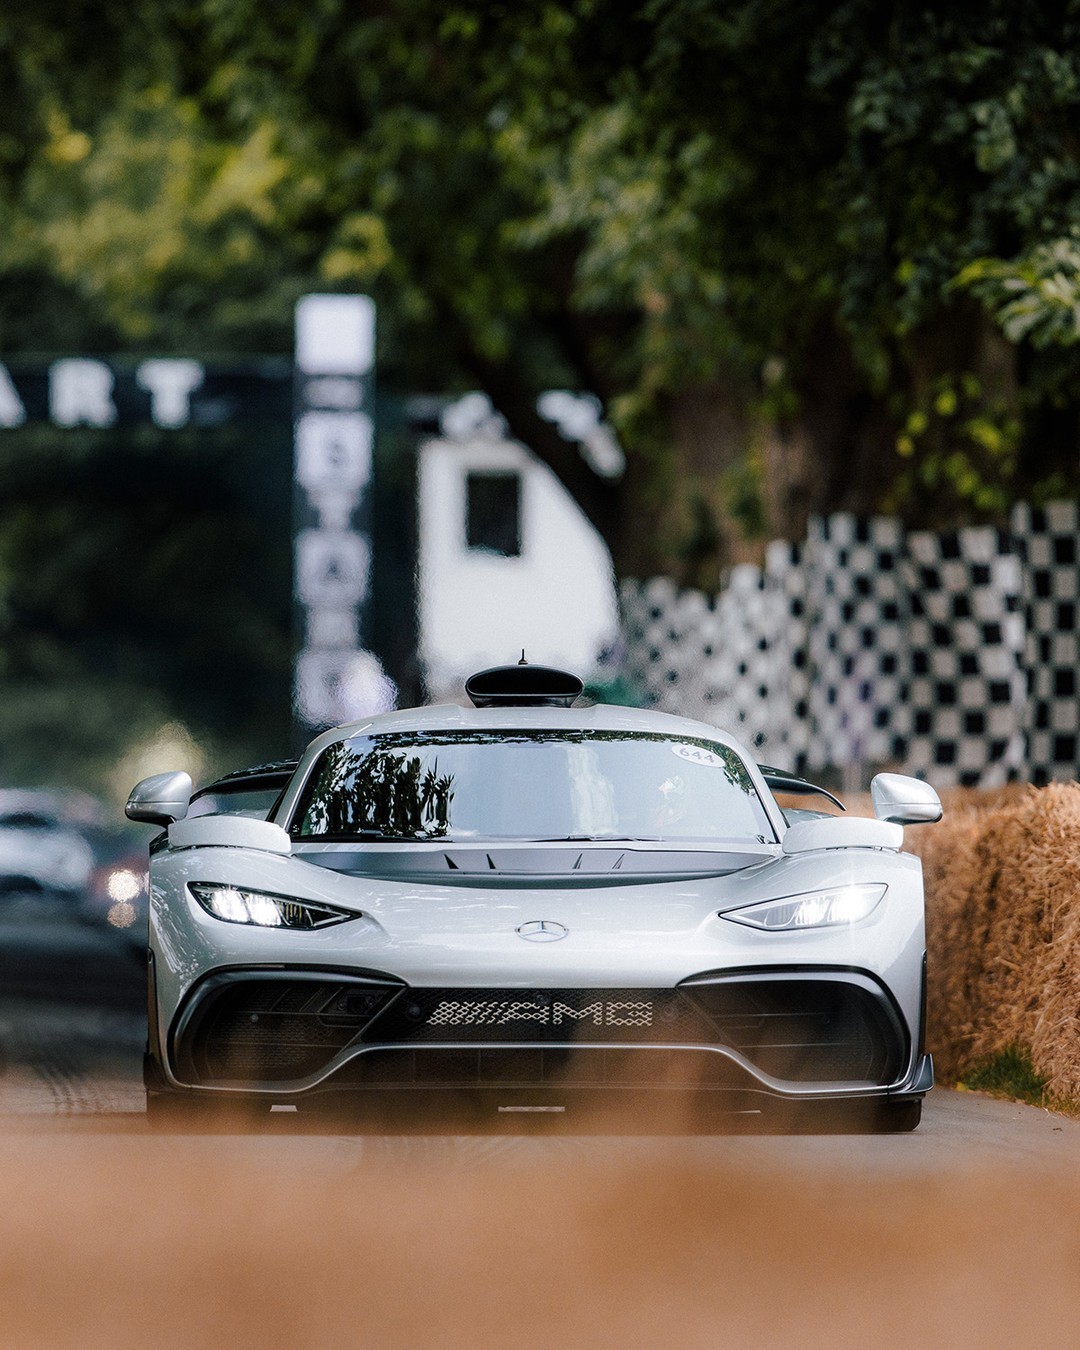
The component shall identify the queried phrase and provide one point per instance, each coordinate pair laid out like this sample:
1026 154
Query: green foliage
1035 296
857 220
1011 1074
962 442
713 179
157 207
618 692
141 581
709 180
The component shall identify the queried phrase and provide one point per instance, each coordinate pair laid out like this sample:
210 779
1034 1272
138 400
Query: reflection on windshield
390 791
530 785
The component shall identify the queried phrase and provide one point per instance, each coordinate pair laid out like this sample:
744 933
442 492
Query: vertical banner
336 680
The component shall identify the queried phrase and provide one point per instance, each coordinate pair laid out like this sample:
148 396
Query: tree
140 585
767 234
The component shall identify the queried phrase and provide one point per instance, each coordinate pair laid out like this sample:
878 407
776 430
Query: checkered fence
1049 541
951 656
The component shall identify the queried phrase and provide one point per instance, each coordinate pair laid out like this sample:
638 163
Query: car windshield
566 785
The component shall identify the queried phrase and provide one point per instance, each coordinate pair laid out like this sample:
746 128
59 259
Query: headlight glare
234 904
820 909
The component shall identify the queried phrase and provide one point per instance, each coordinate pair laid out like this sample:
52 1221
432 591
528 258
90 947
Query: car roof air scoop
523 686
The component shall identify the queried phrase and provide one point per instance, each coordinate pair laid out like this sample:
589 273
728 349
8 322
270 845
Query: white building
507 560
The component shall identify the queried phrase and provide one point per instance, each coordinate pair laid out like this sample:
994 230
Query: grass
1010 1073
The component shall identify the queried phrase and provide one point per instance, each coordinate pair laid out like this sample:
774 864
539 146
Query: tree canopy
810 256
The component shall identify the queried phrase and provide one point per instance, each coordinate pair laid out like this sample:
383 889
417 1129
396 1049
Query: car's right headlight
818 909
235 904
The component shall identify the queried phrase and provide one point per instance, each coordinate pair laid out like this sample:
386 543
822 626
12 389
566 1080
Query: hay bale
1003 930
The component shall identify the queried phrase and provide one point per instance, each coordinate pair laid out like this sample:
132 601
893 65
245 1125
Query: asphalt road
963 1234
72 1013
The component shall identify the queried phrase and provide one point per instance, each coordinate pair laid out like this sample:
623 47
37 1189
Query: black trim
873 985
780 781
922 1080
153 1041
523 686
879 1019
182 1053
920 1039
195 1003
272 775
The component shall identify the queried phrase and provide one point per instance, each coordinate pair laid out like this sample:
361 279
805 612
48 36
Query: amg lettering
629 1015
560 1012
500 1013
494 1014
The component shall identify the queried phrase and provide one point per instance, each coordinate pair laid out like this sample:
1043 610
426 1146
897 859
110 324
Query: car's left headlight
234 904
819 909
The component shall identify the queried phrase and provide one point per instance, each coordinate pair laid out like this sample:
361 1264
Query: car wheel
172 1112
886 1117
882 1117
899 1117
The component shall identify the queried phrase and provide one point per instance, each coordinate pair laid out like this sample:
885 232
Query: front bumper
791 1034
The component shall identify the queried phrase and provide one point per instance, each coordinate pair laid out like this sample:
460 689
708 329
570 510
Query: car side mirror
161 799
903 800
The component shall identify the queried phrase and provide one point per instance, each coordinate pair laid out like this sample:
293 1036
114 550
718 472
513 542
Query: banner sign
337 679
328 390
166 392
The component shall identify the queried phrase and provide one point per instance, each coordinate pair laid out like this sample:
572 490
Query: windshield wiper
601 838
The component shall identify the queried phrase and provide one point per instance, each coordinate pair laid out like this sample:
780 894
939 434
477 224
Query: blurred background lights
123 884
170 747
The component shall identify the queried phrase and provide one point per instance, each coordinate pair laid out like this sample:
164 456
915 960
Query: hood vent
531 864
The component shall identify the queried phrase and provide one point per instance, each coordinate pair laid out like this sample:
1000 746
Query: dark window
493 513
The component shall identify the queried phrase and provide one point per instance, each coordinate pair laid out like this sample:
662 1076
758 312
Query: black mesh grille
804 1031
432 1066
275 1030
262 1029
635 1016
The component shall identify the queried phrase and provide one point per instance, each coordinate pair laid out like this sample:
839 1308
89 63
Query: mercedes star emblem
543 930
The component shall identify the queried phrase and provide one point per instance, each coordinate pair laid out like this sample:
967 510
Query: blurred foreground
963 1234
116 1237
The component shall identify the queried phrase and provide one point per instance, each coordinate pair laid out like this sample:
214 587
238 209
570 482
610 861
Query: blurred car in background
117 891
42 849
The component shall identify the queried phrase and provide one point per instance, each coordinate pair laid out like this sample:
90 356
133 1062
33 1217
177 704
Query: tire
175 1113
882 1117
899 1117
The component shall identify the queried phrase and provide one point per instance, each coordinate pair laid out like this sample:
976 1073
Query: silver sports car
530 906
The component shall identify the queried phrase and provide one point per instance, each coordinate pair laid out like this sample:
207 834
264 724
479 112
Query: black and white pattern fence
855 638
1049 540
951 656
967 694
730 659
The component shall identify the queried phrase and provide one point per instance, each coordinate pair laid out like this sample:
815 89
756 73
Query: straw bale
1003 930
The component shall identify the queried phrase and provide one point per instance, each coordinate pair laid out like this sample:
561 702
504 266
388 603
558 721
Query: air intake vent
523 686
804 1031
270 1028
